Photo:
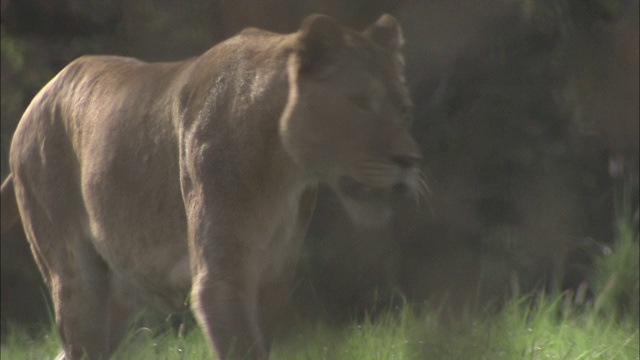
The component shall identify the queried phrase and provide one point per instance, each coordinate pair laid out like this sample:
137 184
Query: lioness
154 181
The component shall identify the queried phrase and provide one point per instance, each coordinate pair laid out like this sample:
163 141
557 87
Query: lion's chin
367 206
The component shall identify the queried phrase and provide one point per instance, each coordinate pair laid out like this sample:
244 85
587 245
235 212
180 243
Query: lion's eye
361 101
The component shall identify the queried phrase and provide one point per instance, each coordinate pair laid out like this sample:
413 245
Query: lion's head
348 115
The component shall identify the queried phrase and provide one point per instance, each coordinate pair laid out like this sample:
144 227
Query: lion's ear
320 40
386 33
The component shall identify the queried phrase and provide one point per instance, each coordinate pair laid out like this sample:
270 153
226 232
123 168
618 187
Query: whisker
424 186
423 192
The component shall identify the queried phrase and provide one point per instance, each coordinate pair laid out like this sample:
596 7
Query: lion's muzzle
373 188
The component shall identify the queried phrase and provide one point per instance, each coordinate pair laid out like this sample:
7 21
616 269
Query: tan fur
149 181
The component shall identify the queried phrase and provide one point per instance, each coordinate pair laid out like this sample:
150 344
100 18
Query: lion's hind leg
79 291
77 277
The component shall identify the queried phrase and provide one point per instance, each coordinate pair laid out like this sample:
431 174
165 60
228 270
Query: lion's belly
152 259
148 248
164 286
157 274
137 223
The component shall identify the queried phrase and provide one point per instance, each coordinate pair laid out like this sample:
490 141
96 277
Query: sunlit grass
535 326
529 327
520 331
168 345
25 345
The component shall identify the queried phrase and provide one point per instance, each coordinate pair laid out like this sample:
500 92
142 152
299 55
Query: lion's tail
10 215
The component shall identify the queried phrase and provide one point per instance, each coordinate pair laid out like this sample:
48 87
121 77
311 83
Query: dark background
526 113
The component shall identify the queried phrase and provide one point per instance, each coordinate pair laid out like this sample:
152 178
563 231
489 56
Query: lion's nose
406 161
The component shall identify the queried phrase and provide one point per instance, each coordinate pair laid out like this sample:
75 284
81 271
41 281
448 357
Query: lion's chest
275 251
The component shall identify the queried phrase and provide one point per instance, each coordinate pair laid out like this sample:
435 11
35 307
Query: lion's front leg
225 292
226 308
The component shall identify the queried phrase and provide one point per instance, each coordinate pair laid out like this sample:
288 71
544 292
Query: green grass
23 345
537 326
520 331
529 327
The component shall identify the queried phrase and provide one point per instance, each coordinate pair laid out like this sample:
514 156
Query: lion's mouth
369 205
361 192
